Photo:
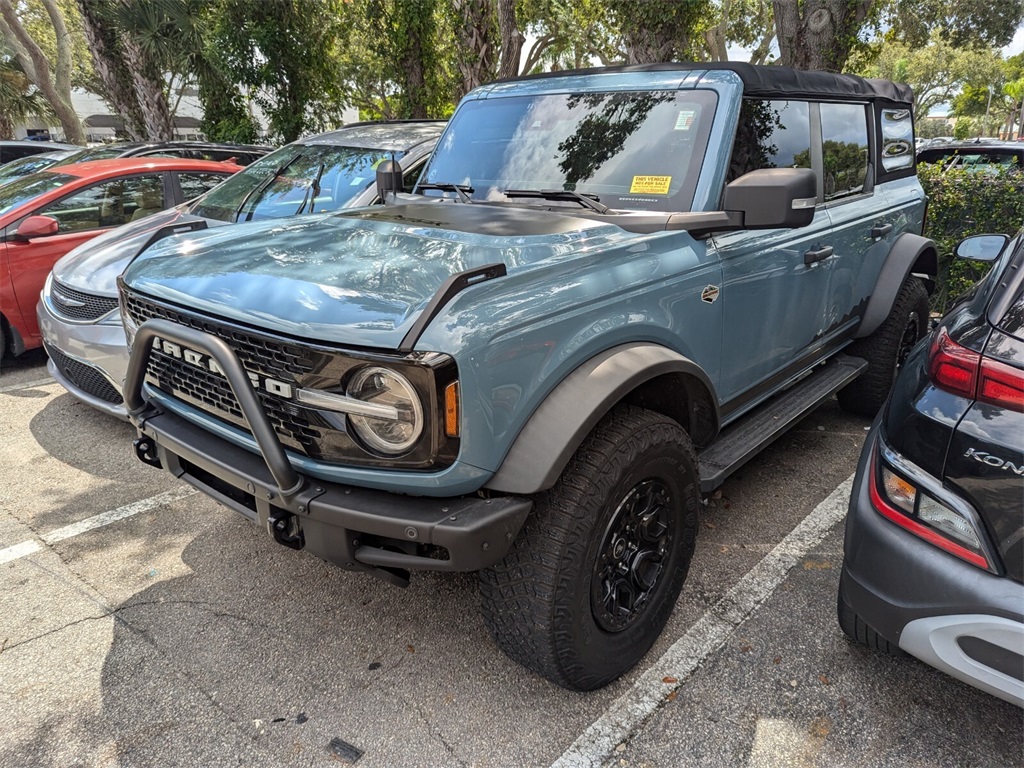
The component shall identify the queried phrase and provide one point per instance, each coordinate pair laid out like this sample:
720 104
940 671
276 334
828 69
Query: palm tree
19 99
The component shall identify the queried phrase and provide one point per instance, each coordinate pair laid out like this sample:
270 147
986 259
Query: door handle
814 256
880 230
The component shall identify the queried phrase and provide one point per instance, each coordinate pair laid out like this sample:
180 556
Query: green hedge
962 203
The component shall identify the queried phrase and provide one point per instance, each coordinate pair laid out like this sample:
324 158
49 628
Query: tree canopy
299 63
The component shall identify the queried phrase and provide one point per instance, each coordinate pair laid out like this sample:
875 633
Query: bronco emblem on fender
709 294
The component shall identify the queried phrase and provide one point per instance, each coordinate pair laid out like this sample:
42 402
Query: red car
46 214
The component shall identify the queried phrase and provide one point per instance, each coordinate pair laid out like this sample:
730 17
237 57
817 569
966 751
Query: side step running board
742 439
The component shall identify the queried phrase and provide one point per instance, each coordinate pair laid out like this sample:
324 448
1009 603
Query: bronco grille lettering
199 360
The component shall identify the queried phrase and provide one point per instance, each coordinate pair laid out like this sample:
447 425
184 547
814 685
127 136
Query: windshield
27 165
637 150
341 173
22 190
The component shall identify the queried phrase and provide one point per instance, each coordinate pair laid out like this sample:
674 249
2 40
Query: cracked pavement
182 635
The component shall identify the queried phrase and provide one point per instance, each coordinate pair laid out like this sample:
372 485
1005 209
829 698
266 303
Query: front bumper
88 359
948 613
355 528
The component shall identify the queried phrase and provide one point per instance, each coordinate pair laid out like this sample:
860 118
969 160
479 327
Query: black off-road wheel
596 570
886 350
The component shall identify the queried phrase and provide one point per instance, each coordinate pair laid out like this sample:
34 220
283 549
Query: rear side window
771 134
897 139
844 134
1013 320
195 184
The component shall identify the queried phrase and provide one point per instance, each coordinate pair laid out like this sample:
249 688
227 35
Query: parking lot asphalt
142 624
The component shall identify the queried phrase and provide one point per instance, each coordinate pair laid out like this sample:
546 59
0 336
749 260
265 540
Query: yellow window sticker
650 185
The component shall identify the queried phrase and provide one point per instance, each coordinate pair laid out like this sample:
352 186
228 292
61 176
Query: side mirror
981 247
771 198
389 178
37 226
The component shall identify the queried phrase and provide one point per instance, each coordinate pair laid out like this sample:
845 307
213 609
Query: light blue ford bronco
610 289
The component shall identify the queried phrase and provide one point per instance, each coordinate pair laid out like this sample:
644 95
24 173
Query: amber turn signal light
451 409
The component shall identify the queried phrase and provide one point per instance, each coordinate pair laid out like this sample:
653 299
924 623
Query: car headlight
401 422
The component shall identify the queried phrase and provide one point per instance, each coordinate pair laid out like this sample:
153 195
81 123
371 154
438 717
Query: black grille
76 305
318 434
257 353
85 377
211 393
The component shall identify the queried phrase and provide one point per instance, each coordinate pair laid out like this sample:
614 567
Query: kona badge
207 363
709 294
994 461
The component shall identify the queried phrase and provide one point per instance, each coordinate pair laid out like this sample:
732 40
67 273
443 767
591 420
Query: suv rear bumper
948 613
355 528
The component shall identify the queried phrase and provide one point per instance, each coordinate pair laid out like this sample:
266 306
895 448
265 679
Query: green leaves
962 203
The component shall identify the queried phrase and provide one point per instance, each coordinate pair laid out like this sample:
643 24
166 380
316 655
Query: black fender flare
556 429
910 254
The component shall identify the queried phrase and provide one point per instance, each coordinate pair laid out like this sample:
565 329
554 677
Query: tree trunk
476 44
818 34
149 91
644 46
511 39
55 85
109 65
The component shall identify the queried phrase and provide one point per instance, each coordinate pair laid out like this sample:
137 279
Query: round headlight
382 386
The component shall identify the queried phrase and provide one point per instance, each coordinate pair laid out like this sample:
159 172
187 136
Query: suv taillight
934 515
964 372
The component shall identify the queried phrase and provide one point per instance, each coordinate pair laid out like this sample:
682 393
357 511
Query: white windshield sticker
685 119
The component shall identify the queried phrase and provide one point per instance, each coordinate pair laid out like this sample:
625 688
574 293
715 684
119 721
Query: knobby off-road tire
596 570
856 629
886 350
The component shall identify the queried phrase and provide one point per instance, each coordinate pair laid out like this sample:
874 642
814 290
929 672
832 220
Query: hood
355 278
94 266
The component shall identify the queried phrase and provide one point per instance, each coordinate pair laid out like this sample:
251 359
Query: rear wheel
856 629
886 350
596 570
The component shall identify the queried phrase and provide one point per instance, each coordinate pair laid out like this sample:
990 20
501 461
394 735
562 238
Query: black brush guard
356 528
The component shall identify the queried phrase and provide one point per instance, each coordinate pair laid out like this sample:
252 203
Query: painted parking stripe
629 712
28 385
31 546
24 549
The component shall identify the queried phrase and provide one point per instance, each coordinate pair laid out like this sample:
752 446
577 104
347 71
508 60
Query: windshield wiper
258 189
314 185
464 190
586 199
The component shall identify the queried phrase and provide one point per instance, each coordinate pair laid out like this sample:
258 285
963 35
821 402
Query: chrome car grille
76 305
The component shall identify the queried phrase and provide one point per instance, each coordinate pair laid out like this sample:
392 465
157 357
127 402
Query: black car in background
15 150
934 554
239 154
987 155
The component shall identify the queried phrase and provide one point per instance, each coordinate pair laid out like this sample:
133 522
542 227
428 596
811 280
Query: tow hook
146 452
284 527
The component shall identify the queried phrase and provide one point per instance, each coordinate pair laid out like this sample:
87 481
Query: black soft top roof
772 81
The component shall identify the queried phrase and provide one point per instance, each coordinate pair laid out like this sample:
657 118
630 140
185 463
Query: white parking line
28 385
25 548
629 712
